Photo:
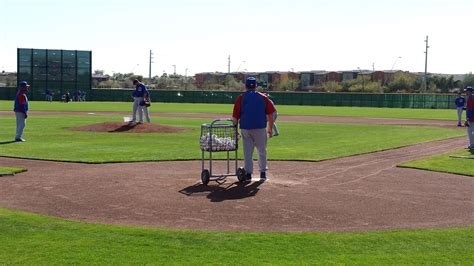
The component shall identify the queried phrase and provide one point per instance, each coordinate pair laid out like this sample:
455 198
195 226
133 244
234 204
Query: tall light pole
395 62
174 72
228 64
149 69
425 78
186 79
243 62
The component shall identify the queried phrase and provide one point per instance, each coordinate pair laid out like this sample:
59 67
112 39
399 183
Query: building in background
57 71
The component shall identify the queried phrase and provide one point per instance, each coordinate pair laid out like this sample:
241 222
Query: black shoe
248 177
263 176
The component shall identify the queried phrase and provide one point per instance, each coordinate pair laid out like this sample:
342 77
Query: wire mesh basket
218 136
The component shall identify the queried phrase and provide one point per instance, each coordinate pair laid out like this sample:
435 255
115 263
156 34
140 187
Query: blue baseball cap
251 82
23 84
468 88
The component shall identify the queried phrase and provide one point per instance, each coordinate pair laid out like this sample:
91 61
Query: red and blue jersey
470 109
252 108
140 91
460 102
21 102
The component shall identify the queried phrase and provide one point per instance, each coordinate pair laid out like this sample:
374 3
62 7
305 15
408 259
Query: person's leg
249 144
260 137
20 124
459 115
134 113
470 133
147 116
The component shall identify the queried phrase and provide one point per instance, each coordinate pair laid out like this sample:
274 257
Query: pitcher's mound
129 128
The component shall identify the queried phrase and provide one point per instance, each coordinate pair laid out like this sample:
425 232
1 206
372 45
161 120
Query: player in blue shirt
253 110
21 109
460 103
139 95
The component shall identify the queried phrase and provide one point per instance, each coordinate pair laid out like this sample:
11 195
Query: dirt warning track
358 193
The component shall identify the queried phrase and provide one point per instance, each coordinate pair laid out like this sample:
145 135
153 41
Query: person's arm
270 125
269 110
236 111
22 102
469 110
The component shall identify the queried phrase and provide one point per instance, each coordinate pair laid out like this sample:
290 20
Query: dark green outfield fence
421 101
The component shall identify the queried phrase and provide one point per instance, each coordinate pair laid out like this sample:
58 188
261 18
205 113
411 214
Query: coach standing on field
139 95
470 117
253 109
21 109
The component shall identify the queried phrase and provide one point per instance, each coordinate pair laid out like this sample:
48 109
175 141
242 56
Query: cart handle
222 120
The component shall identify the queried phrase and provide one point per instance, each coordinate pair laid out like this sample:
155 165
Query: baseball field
346 186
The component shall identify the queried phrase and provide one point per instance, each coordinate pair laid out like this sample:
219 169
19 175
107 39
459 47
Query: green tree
403 82
468 80
289 85
99 72
231 83
332 86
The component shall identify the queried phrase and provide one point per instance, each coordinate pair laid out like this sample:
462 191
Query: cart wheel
241 174
205 176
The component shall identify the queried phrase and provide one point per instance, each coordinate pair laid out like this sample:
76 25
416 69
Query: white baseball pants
255 138
140 109
470 134
20 124
460 115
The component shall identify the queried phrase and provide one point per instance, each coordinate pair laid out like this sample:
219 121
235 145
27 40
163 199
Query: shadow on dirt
217 193
124 128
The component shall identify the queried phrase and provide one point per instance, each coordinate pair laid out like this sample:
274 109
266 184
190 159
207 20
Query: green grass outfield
33 239
11 170
48 138
446 164
441 114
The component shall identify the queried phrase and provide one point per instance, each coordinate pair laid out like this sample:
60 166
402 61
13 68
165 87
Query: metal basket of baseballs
221 135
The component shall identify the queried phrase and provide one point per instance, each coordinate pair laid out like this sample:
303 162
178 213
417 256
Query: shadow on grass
7 142
217 193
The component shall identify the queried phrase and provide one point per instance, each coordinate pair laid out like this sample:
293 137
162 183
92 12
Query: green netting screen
419 101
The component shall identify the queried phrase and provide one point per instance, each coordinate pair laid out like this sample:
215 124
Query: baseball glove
145 102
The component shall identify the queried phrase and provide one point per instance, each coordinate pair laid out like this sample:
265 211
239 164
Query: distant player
253 110
21 109
460 103
470 117
274 115
139 95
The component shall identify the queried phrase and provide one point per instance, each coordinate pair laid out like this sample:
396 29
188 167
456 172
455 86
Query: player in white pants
21 109
139 94
460 102
253 110
141 110
470 117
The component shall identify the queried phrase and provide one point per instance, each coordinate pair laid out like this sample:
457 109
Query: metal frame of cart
220 135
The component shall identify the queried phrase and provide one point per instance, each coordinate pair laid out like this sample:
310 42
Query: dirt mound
129 128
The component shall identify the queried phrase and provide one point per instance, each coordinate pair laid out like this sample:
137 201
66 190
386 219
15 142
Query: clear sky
260 35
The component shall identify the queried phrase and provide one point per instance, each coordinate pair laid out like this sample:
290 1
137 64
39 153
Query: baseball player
21 109
253 110
460 102
139 95
274 115
470 117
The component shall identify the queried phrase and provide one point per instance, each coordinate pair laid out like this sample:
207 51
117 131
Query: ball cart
221 135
